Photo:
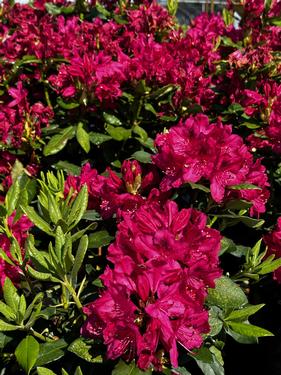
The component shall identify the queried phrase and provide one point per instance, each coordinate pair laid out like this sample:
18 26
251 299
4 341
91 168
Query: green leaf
11 296
276 21
242 339
214 368
37 220
4 340
199 187
268 267
12 197
215 322
8 327
99 239
149 107
69 168
7 311
98 138
203 354
142 156
83 137
118 133
43 276
226 294
140 132
59 141
101 9
91 215
244 187
5 257
52 9
67 105
122 368
53 209
51 352
111 119
249 329
78 261
244 313
36 300
27 352
267 5
227 17
82 350
181 371
78 371
79 207
44 371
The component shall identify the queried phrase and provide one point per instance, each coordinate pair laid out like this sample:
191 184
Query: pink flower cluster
273 242
164 260
109 194
197 151
19 230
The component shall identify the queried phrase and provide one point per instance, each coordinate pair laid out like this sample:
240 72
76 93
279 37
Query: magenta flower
164 261
111 194
273 242
196 151
19 230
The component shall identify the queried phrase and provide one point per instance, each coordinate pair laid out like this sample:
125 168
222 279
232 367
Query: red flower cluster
164 261
19 231
197 151
110 194
273 241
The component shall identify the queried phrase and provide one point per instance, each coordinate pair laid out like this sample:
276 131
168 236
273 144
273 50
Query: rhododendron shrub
164 261
139 187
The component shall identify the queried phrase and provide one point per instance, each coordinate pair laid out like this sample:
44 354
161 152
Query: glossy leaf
83 137
26 353
59 141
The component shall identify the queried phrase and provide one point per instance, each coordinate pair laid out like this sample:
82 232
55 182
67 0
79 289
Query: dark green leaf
99 239
226 294
118 133
59 141
98 138
82 350
44 371
199 187
83 138
111 119
67 105
215 322
122 368
79 257
276 21
7 311
50 352
52 9
142 156
27 352
12 197
79 207
37 220
11 296
4 340
213 368
69 168
181 371
92 215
